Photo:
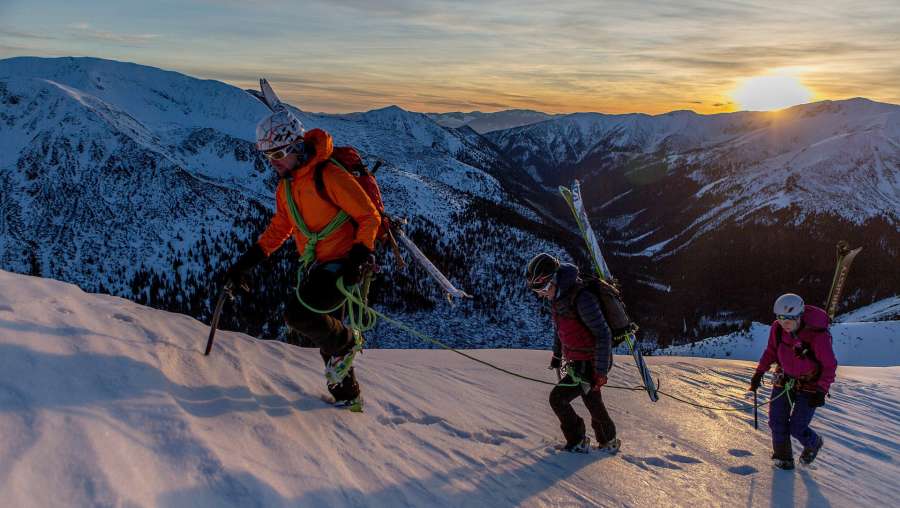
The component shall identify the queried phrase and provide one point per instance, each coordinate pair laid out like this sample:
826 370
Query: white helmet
788 304
279 129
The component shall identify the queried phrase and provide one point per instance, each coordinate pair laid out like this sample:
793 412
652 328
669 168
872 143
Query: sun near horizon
771 92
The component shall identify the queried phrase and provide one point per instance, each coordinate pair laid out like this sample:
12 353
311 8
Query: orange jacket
342 188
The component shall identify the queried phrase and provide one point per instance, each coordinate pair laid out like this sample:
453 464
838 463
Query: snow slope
882 310
104 402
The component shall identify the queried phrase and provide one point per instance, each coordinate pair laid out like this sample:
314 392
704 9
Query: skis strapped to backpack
845 258
349 159
576 205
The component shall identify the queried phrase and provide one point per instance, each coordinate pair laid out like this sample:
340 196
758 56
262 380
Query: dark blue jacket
587 307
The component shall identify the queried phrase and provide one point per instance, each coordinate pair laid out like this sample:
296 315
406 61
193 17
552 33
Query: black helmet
540 270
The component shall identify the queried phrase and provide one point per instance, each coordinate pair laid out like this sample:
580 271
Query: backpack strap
319 180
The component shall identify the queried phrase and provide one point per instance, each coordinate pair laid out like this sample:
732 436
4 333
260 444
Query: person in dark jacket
584 341
800 345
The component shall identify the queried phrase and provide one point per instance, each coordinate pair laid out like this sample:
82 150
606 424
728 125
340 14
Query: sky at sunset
437 56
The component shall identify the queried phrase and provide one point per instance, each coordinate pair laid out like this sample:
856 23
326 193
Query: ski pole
214 322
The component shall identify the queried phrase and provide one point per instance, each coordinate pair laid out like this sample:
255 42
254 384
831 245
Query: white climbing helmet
789 305
277 130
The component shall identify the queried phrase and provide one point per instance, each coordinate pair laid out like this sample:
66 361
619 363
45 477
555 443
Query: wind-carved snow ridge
117 404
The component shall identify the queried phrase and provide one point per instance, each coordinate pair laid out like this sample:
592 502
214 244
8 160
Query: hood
566 279
814 317
322 145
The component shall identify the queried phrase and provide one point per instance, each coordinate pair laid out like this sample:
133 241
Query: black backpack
612 306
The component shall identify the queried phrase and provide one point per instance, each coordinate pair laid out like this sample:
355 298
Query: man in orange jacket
335 239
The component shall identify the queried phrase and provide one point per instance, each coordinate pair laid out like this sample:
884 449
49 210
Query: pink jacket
814 332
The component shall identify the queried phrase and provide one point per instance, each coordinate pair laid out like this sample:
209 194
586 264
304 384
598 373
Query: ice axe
214 322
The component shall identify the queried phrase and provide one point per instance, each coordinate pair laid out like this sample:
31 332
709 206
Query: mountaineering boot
809 454
611 447
354 405
783 456
583 446
339 365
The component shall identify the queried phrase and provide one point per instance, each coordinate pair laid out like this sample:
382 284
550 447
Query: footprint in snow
743 470
643 462
123 317
734 452
684 459
401 417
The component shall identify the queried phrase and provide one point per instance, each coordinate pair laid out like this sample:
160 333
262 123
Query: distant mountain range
144 183
483 123
714 216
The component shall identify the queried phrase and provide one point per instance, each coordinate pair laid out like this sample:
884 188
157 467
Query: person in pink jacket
800 347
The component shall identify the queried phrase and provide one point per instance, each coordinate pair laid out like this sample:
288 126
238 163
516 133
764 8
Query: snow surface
104 402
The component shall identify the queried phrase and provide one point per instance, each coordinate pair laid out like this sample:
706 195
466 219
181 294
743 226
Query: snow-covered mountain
483 123
104 402
144 183
709 218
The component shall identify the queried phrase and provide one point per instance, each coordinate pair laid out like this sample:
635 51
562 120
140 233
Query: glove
555 363
237 276
755 381
599 381
817 399
357 259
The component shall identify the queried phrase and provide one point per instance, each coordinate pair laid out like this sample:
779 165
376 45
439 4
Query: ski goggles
788 317
541 284
281 153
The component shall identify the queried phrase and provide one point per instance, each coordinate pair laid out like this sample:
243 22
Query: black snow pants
327 331
572 425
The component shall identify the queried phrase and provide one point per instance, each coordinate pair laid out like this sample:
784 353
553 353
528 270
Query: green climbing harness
308 257
309 251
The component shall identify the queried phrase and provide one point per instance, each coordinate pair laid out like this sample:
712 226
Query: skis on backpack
576 205
845 258
449 289
269 97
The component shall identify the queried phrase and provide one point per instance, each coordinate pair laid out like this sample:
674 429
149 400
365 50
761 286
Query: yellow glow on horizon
766 93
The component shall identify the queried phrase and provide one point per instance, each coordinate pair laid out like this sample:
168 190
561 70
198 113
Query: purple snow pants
786 423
